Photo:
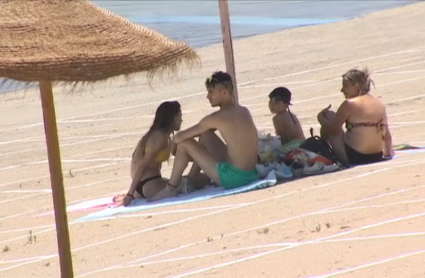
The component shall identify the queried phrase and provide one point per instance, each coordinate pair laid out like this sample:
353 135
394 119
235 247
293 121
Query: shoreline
211 44
19 86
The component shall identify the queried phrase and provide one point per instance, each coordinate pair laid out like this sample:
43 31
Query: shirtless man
286 124
234 122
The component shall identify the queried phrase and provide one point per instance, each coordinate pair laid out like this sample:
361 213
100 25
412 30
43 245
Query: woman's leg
152 187
336 141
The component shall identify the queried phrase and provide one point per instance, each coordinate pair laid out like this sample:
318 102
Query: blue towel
196 196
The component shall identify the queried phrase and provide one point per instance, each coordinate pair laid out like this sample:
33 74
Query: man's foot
168 191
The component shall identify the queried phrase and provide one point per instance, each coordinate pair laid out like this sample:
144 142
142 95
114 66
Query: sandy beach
363 222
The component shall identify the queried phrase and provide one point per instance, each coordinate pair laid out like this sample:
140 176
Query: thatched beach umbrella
73 41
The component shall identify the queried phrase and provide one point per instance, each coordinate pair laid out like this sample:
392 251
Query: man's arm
208 122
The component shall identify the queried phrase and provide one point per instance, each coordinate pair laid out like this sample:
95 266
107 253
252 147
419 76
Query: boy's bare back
288 127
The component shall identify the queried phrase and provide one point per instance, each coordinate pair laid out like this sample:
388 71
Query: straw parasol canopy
75 41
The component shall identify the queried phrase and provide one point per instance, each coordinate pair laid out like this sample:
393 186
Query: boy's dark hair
281 94
220 78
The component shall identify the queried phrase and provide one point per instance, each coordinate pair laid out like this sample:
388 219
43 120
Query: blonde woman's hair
361 78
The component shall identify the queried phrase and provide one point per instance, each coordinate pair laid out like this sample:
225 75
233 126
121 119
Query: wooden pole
56 179
227 44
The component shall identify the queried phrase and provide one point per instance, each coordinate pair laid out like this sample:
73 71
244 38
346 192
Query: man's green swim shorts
232 177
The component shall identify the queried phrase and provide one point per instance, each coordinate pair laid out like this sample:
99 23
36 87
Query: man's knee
186 144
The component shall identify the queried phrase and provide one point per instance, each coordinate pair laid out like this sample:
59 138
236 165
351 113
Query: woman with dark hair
367 138
154 148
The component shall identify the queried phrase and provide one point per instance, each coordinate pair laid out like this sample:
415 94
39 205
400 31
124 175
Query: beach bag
319 146
303 157
267 146
292 145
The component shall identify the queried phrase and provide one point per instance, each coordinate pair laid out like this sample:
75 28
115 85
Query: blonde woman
367 138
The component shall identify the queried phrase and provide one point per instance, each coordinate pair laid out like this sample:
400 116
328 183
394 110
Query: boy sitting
286 124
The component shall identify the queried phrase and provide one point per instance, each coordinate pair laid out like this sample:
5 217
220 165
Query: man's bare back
237 128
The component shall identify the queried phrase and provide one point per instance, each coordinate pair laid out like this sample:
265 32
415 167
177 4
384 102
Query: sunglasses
213 80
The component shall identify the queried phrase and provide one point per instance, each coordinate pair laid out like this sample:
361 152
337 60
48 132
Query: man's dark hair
220 78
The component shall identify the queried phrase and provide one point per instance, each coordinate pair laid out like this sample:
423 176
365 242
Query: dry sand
363 222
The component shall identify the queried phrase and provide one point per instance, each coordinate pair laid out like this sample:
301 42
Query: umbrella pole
56 179
227 44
